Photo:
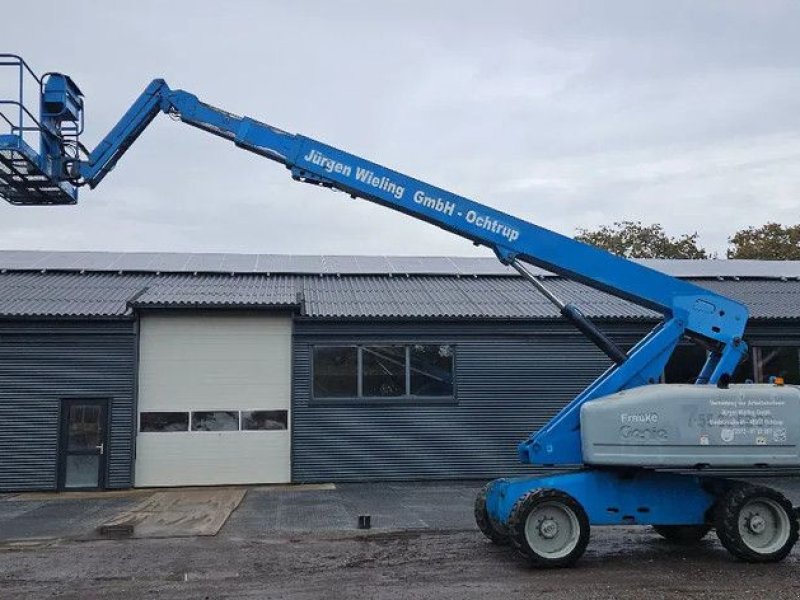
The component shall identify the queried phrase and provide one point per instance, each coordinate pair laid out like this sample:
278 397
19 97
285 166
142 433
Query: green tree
771 241
634 240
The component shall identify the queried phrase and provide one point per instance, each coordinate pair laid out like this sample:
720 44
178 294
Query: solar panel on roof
240 263
354 265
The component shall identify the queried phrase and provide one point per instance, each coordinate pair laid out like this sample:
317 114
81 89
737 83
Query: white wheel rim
552 530
764 525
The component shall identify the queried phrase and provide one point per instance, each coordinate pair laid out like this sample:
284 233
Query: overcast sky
567 114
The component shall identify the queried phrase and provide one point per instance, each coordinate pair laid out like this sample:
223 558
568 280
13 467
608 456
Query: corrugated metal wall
45 361
511 378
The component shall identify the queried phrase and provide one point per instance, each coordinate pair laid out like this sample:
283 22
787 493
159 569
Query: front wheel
549 528
756 524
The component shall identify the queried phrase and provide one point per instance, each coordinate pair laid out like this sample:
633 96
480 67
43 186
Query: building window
744 372
163 422
685 364
215 420
431 370
385 371
777 361
262 420
760 365
335 371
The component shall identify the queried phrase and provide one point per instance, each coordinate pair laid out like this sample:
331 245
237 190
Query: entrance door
83 444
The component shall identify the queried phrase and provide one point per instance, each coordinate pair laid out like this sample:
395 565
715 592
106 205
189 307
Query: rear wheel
756 524
549 528
488 528
682 534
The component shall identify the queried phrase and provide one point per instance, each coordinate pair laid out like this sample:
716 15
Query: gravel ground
620 563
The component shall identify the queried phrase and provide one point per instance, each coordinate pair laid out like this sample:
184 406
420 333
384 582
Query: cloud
569 115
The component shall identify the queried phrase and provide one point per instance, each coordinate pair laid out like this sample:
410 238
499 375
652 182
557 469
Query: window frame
215 410
312 363
756 356
261 431
360 372
683 344
407 399
755 353
188 414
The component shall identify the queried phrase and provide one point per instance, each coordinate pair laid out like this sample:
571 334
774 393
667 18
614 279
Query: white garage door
214 399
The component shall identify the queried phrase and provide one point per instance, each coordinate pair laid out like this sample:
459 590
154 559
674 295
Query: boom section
702 313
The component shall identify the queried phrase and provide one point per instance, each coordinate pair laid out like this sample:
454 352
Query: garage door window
384 372
213 420
260 420
217 420
163 422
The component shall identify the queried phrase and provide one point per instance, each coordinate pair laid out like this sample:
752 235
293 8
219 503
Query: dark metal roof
68 294
74 294
219 290
451 297
160 262
767 299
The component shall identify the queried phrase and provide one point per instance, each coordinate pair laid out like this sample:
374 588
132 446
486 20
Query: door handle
102 448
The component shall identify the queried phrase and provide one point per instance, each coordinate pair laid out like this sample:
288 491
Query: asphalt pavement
303 542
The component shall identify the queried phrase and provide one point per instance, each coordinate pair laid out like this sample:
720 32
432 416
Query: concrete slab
68 518
180 513
91 495
440 506
392 506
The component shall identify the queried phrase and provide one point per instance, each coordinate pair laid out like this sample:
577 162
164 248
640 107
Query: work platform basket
27 176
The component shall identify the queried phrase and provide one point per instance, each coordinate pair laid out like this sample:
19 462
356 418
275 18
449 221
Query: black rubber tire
682 534
519 517
488 527
728 512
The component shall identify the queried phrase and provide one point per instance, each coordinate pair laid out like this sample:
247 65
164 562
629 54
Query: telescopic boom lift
627 433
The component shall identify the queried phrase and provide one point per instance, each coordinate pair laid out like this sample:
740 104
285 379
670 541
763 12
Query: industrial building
121 370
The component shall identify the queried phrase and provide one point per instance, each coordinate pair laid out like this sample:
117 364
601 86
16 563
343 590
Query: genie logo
643 434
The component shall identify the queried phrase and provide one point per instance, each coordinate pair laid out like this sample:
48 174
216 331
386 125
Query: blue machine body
614 497
610 496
